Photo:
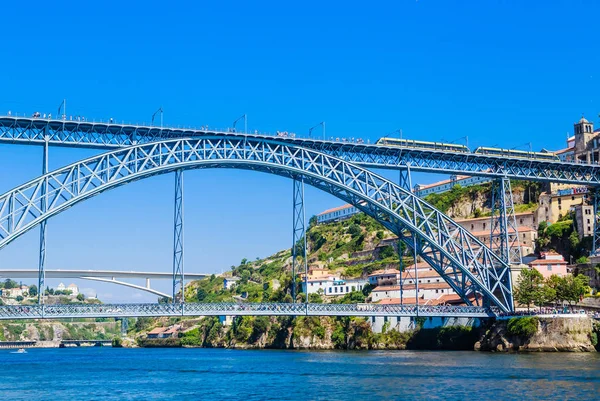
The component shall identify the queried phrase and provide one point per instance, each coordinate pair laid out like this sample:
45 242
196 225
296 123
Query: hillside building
550 263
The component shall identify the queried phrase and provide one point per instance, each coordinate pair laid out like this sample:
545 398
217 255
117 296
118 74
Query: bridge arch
469 267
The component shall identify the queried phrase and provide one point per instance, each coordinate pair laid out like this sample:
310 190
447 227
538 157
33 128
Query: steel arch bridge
470 268
23 130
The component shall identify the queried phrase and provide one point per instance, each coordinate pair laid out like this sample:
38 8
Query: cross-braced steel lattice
469 267
12 312
405 182
178 277
504 235
299 235
111 135
42 255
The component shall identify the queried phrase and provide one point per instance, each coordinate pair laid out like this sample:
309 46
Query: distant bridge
107 276
236 309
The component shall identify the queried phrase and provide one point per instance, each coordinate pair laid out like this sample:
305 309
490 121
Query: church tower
584 131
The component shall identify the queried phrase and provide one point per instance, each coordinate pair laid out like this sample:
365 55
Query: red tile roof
384 271
158 330
335 209
547 262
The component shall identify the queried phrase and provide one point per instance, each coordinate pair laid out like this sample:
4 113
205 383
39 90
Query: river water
205 374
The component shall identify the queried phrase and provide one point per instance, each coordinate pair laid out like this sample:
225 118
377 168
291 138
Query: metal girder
42 249
469 267
178 277
104 135
13 312
405 182
298 233
504 234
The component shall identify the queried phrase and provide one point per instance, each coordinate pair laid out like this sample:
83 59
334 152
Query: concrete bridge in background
106 276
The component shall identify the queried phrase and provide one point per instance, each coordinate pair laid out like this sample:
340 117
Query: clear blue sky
500 72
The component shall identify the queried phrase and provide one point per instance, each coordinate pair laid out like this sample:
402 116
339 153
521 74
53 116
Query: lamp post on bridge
63 106
245 117
310 130
160 110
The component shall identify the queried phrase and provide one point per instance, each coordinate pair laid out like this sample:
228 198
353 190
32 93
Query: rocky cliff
533 334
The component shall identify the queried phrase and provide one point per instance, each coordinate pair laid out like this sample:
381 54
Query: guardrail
9 312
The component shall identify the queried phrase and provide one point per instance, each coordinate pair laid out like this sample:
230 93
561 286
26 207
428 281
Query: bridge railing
233 309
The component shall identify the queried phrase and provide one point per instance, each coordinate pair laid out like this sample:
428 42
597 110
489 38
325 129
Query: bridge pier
405 182
504 236
43 204
178 276
299 234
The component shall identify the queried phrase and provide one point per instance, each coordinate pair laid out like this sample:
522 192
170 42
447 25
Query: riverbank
578 333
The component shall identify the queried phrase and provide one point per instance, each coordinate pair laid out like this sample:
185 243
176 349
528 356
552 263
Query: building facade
550 263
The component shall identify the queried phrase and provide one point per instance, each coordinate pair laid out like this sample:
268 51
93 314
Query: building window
484 225
472 226
347 289
336 289
520 221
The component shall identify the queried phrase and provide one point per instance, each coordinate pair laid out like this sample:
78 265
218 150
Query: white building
230 282
333 286
73 288
385 276
61 287
430 285
446 185
337 213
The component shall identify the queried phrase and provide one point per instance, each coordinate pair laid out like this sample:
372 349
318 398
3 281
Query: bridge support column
405 182
299 235
178 283
44 205
124 326
504 236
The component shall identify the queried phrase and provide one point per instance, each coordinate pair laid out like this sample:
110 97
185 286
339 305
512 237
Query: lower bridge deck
10 312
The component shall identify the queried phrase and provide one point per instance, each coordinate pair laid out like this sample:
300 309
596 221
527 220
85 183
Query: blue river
207 374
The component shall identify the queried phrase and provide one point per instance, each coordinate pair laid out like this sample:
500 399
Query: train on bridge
457 148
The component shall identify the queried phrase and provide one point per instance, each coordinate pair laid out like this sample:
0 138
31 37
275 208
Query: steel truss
42 254
298 234
103 135
12 312
470 268
178 277
504 234
405 182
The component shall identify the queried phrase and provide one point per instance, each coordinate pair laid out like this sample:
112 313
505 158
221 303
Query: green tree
386 252
80 297
355 230
528 284
19 298
201 294
33 291
544 294
8 284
